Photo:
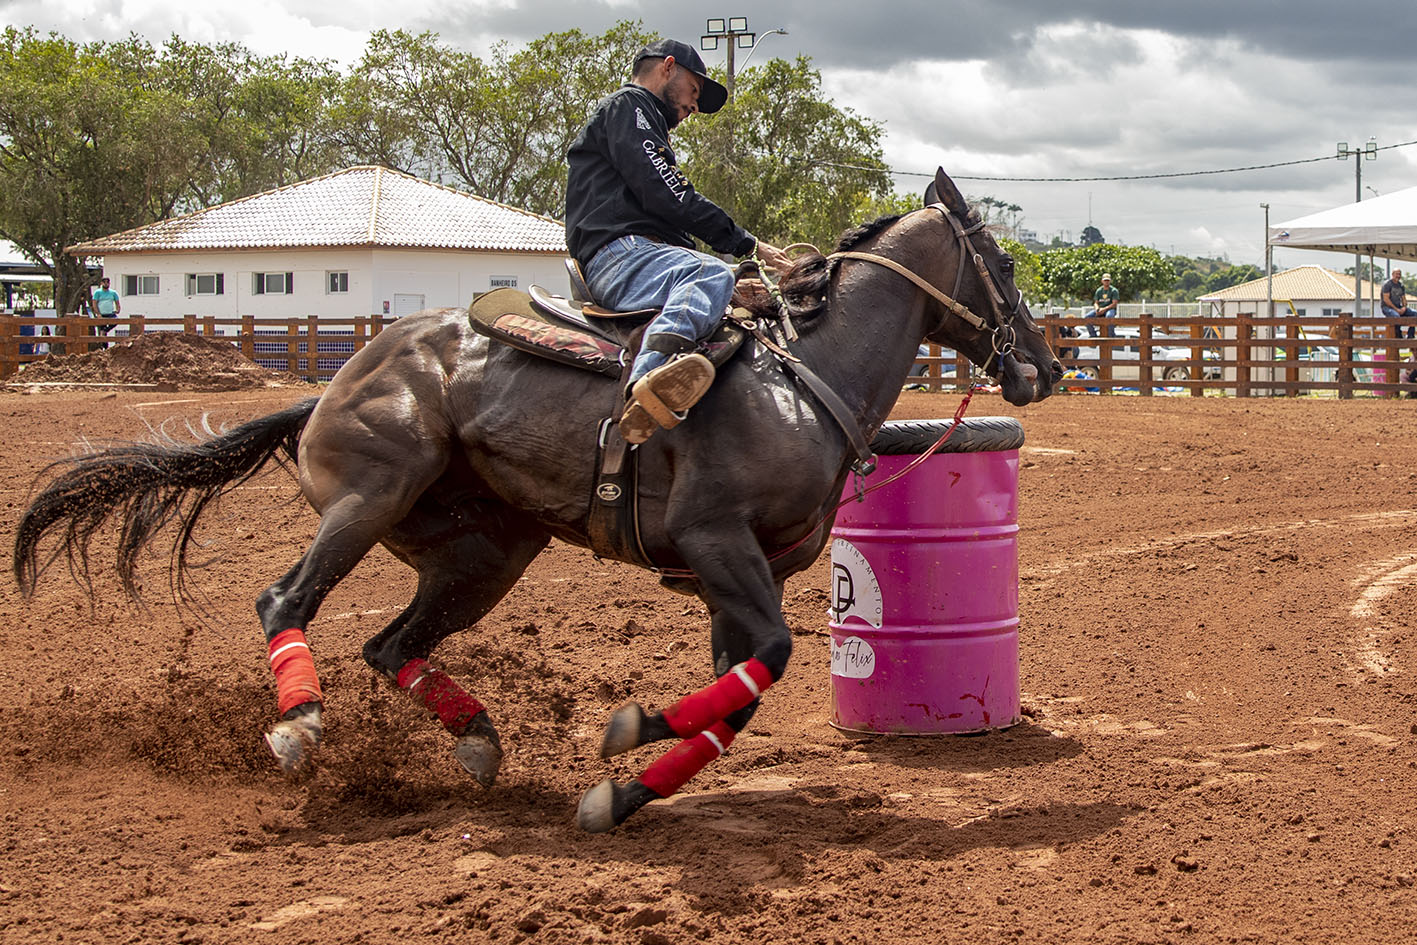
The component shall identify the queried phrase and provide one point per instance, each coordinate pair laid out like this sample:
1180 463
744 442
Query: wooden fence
313 348
1241 356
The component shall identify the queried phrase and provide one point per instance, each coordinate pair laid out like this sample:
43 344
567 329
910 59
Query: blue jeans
1400 313
693 290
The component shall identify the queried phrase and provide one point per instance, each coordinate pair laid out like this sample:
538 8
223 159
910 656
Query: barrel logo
855 592
853 658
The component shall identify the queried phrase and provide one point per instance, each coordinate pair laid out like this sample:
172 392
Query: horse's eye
1006 265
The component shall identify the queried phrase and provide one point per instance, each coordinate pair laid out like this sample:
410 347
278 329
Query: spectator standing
106 302
1104 301
1395 303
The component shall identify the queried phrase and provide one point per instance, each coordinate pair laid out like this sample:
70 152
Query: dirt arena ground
1217 678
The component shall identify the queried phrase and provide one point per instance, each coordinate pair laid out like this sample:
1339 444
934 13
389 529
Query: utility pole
734 30
1367 152
1268 262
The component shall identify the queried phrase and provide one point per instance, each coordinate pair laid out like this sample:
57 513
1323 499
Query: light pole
1367 152
735 30
1268 262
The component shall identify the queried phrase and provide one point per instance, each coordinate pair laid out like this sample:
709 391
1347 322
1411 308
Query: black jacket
625 180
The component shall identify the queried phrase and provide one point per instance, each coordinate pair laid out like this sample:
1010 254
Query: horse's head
997 330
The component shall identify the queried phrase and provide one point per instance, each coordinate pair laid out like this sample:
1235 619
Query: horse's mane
804 286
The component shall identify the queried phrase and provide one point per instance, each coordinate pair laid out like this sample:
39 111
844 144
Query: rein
1002 343
1003 338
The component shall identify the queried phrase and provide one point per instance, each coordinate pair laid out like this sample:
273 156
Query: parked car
1126 349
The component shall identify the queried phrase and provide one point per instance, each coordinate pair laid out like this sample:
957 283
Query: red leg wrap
439 695
686 759
296 682
715 702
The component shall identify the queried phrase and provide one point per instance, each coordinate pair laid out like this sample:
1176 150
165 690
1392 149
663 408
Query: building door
406 304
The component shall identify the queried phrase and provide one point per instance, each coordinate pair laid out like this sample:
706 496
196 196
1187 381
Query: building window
273 283
140 285
1332 312
503 282
206 283
336 283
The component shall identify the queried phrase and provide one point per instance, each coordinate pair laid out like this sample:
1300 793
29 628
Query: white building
1311 291
361 241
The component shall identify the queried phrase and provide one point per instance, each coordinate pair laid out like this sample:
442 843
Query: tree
1075 273
499 128
1091 235
1028 274
100 138
90 143
784 160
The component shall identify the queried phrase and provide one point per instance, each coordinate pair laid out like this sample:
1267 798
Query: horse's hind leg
462 575
349 528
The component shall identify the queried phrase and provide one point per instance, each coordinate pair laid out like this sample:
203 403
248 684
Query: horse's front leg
751 644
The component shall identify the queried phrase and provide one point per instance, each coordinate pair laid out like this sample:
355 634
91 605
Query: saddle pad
507 315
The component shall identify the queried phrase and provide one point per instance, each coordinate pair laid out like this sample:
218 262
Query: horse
465 457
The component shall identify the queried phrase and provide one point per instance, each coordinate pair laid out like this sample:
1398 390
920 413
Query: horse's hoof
596 813
481 756
623 732
294 742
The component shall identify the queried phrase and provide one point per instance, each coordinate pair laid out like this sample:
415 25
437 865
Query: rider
631 216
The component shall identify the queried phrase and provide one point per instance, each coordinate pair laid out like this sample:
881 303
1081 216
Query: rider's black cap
712 95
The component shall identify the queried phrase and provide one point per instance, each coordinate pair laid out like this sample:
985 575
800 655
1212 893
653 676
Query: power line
1081 180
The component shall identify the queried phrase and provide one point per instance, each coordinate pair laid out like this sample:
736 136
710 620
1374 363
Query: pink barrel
924 596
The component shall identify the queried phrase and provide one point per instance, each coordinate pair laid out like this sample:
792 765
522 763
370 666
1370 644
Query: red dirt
1219 744
160 360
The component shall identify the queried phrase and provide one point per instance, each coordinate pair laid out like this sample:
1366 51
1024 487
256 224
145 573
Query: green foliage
785 161
1091 236
1028 274
500 127
103 137
1076 273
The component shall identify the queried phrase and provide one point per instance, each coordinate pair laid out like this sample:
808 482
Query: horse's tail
142 487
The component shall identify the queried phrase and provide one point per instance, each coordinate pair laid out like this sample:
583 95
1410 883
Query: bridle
1003 335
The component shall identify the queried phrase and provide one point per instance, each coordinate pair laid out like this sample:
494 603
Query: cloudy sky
988 89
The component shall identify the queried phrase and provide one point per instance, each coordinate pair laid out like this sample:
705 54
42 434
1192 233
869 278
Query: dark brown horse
464 457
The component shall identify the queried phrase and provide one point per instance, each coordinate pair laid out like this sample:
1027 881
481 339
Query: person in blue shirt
105 301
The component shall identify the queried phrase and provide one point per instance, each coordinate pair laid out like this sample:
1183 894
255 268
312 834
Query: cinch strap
296 682
686 759
729 693
439 695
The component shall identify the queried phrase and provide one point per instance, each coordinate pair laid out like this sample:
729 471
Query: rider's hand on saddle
772 257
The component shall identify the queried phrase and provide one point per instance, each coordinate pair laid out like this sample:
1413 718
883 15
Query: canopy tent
1384 226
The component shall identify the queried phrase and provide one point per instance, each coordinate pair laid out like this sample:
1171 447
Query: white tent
1384 226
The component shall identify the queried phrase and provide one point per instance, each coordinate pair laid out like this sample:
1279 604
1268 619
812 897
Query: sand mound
171 360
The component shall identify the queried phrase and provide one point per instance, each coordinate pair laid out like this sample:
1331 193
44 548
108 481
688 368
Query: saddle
578 333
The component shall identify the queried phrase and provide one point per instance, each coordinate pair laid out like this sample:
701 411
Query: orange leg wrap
296 682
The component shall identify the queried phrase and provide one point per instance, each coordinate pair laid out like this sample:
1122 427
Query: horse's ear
944 191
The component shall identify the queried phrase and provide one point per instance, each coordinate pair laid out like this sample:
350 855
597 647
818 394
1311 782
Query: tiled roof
1302 282
358 206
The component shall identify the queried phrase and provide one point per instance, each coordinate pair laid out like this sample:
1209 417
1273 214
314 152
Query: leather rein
1004 335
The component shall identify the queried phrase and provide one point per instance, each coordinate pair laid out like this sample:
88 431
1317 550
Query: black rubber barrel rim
975 435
